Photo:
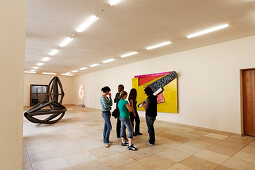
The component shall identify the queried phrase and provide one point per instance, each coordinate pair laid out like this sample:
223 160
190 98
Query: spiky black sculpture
51 105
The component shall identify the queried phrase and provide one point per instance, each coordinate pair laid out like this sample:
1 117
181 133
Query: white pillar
12 56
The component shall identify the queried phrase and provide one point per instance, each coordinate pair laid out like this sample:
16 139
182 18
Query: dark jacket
117 99
151 106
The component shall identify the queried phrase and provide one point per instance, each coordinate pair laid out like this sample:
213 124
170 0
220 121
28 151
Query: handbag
116 113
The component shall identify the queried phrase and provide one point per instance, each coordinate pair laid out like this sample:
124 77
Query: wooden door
248 78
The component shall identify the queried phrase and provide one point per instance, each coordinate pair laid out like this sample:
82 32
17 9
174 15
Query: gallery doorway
248 101
37 93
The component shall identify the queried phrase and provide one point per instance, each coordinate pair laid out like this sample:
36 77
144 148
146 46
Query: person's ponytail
122 94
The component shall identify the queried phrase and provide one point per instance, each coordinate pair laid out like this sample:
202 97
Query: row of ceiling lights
89 21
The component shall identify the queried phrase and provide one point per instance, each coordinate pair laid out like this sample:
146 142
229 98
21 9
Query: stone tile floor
76 143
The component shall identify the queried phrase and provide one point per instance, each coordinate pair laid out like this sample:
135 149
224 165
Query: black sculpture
55 108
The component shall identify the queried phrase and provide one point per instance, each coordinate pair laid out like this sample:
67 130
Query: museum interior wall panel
29 79
12 56
208 83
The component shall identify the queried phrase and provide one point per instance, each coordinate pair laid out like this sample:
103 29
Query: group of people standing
128 117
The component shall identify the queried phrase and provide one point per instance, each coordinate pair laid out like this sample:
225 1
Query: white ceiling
131 25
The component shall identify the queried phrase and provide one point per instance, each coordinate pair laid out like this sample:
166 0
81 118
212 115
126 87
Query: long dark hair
132 94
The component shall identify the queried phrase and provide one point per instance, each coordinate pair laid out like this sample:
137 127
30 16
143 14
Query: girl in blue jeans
106 104
124 109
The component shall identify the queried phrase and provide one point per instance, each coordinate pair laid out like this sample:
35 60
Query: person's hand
144 104
110 94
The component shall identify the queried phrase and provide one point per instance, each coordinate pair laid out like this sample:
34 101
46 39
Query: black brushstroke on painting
163 81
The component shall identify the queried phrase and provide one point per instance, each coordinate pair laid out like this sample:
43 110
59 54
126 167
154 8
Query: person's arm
132 105
147 104
110 100
116 99
130 109
104 102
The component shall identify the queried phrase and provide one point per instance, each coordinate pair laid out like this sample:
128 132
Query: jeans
150 122
107 126
125 123
137 122
118 127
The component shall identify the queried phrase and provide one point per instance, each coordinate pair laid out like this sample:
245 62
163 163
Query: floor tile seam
203 160
215 143
218 166
225 161
196 127
233 155
69 165
29 157
184 160
173 165
193 139
140 160
243 151
200 147
240 149
183 152
121 165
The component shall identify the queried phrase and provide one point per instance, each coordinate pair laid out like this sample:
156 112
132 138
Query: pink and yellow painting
165 87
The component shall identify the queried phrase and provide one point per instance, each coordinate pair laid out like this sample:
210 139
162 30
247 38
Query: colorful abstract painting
164 85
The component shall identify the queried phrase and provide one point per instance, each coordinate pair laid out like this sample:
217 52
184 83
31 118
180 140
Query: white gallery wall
12 58
67 83
209 83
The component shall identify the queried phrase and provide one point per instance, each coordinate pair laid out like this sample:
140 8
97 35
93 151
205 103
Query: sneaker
134 134
139 133
106 145
132 147
110 142
148 143
124 144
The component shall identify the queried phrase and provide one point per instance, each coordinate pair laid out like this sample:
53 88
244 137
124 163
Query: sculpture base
82 105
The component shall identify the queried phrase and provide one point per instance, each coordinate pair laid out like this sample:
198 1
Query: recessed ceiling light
158 45
94 65
53 52
48 73
89 21
83 68
109 60
129 54
35 67
114 2
74 71
206 31
40 64
30 72
67 74
65 42
45 59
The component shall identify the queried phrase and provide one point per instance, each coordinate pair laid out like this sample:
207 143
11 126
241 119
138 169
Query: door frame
241 98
